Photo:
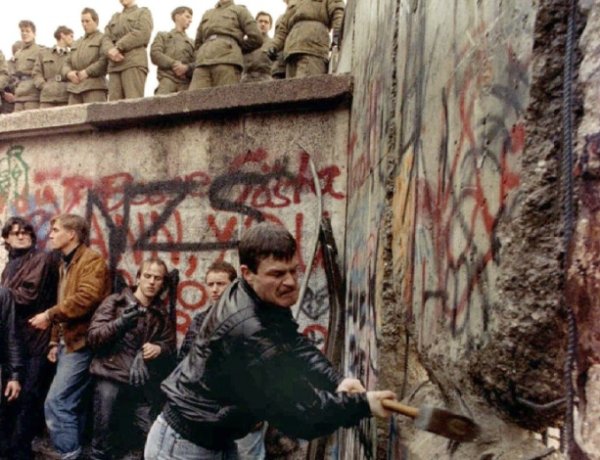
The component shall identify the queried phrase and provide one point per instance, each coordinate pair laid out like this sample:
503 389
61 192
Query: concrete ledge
314 93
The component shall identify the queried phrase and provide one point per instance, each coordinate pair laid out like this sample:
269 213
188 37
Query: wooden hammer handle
395 406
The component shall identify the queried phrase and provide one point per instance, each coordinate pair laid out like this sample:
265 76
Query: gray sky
49 14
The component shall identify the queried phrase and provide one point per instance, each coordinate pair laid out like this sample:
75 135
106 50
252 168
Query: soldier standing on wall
27 96
224 33
303 35
173 54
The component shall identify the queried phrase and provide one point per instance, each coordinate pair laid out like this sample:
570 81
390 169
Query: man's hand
13 388
129 317
53 353
272 53
150 351
9 97
180 69
115 55
41 321
138 373
375 398
82 75
350 386
73 77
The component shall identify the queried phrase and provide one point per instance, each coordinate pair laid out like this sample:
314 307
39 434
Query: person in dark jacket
249 363
31 277
134 342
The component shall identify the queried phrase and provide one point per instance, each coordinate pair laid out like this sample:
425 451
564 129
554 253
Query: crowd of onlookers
230 46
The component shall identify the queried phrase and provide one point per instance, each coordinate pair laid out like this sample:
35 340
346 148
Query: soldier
46 73
304 35
134 341
7 92
4 78
278 66
173 54
257 65
85 66
224 33
27 96
129 34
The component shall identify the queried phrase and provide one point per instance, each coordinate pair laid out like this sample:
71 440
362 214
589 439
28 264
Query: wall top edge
316 93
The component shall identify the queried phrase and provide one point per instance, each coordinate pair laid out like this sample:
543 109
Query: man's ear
246 272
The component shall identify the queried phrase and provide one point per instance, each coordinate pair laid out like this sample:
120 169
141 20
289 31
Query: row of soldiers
230 46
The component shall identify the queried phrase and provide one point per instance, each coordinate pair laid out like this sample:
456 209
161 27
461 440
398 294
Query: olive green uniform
27 95
167 49
48 79
257 65
303 35
129 31
278 66
88 53
4 79
224 33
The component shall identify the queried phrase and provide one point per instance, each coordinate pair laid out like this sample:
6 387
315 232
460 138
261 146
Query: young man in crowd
83 284
249 363
47 76
31 276
173 54
85 66
134 343
27 96
128 33
225 32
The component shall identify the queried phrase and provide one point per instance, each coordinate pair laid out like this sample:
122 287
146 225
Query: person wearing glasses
30 276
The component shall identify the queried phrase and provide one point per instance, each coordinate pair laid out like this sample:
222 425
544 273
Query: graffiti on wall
190 221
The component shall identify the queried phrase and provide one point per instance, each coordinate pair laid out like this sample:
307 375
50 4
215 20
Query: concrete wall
181 177
453 249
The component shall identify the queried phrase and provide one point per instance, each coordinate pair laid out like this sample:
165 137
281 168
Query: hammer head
445 423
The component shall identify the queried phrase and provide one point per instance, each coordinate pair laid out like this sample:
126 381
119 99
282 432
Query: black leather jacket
11 351
249 363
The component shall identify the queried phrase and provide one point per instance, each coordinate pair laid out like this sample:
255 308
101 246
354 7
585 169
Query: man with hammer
249 363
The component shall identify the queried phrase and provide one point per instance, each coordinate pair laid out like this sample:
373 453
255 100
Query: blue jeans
164 443
64 407
252 446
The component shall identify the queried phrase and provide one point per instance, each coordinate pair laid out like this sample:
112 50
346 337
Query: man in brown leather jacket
224 33
27 96
85 66
31 276
46 73
83 284
303 35
134 341
129 34
173 54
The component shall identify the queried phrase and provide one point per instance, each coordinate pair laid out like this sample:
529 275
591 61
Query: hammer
439 421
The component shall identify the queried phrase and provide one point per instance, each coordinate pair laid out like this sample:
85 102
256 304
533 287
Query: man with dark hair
224 33
249 363
134 341
46 73
173 54
303 35
83 284
257 65
27 96
85 66
128 33
30 275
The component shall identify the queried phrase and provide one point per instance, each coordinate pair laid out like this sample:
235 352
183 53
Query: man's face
67 39
27 35
264 24
60 237
216 282
151 281
183 20
127 3
275 280
89 26
19 238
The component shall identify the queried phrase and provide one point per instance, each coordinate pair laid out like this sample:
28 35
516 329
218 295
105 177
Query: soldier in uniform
173 54
304 35
27 96
4 78
129 33
7 92
278 66
86 64
224 33
257 65
46 73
